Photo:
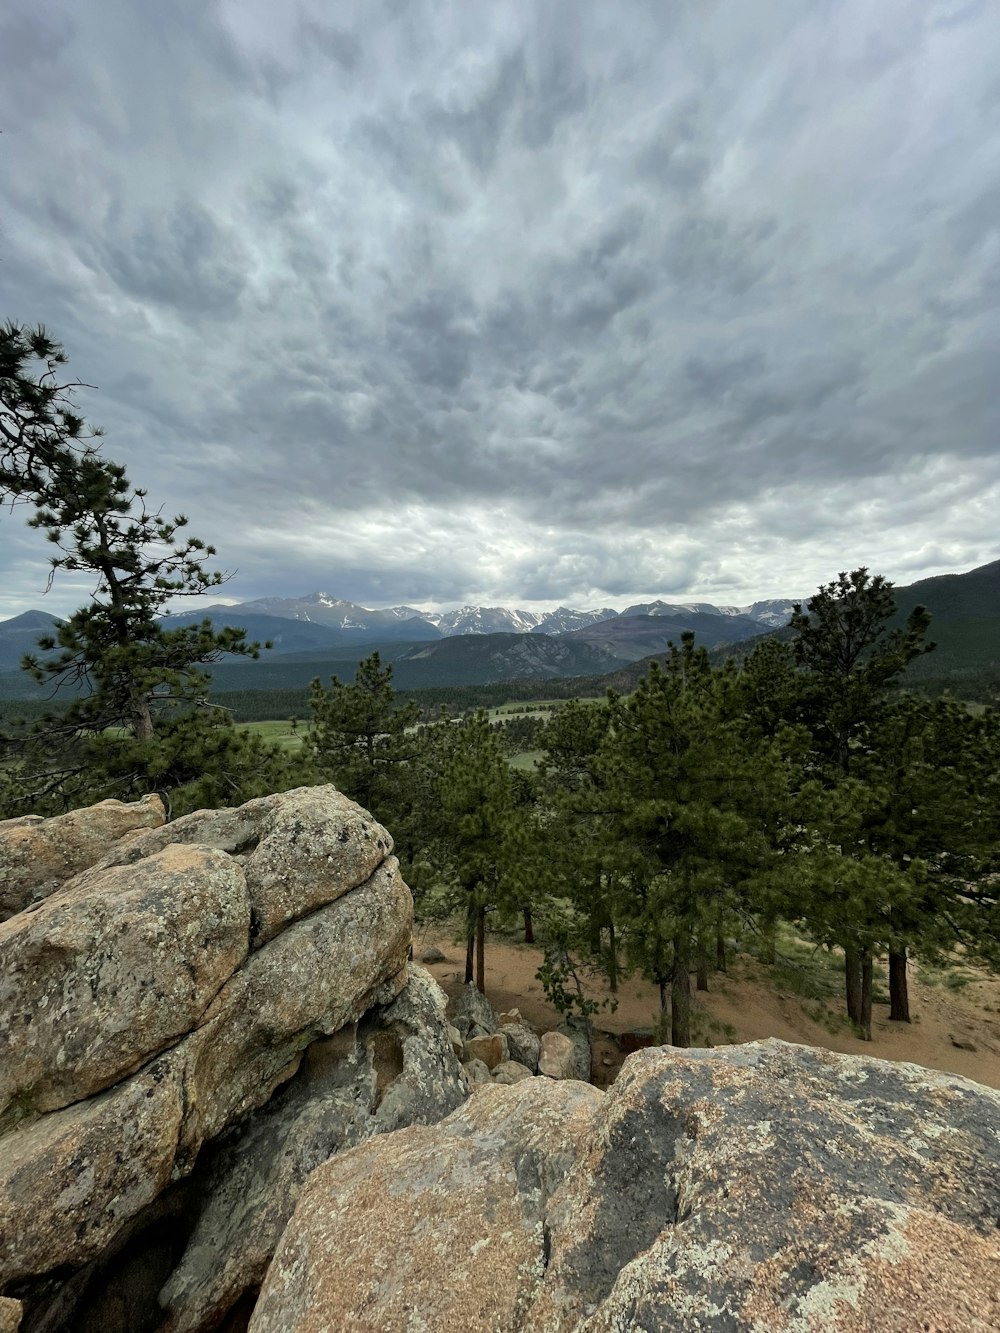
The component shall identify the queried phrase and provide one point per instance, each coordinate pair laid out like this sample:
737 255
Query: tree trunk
529 929
612 959
680 991
470 952
481 951
852 983
596 916
663 998
767 944
866 995
701 981
720 952
142 719
899 991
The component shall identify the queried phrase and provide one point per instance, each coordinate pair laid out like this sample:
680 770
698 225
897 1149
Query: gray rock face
394 1068
579 1032
523 1045
762 1187
474 1016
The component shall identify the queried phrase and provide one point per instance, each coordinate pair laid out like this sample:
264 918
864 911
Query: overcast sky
509 302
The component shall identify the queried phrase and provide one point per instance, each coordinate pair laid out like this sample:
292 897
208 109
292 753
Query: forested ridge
800 784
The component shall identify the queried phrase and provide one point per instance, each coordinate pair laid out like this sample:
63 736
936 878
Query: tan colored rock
38 855
455 1037
133 953
10 1315
557 1058
511 1072
111 970
349 1088
371 1250
70 1180
492 1050
759 1187
512 1018
299 849
313 979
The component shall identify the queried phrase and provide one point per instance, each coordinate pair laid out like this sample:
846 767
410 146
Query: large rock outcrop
38 855
763 1187
230 990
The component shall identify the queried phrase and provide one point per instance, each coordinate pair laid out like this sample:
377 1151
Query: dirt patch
746 1004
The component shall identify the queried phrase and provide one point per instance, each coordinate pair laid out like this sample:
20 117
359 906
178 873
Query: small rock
492 1050
455 1037
579 1032
433 955
512 1018
963 1044
511 1071
523 1045
558 1056
474 1011
477 1073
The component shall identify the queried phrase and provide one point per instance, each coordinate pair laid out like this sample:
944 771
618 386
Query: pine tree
472 826
363 740
137 716
850 653
41 433
696 802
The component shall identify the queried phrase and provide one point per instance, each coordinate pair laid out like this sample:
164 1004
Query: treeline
713 801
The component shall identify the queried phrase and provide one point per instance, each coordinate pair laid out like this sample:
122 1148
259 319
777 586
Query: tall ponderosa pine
363 740
697 802
473 826
137 716
850 653
578 865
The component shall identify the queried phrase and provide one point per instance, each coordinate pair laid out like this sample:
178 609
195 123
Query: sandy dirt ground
953 1030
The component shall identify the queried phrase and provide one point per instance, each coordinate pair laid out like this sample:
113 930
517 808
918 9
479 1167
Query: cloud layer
569 302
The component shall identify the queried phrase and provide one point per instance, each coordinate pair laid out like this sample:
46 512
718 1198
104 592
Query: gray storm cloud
569 303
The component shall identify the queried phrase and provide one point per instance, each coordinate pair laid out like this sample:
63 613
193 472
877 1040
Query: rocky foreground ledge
227 1101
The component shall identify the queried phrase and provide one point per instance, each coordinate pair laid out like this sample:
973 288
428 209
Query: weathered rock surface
761 1187
474 1016
113 969
476 1072
492 1050
524 1046
160 997
557 1057
10 1315
299 850
580 1034
511 1071
38 855
395 1068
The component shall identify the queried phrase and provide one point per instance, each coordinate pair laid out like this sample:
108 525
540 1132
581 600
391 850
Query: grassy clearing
279 732
527 760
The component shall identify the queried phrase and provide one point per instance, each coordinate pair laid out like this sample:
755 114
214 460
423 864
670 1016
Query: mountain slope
477 659
21 635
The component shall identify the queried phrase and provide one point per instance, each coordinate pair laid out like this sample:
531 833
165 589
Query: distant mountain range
319 608
321 635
